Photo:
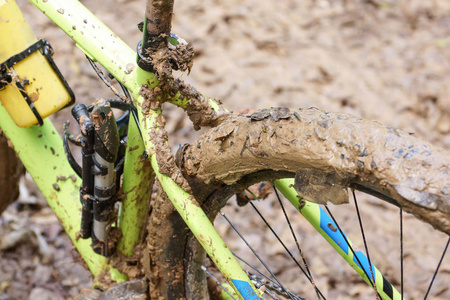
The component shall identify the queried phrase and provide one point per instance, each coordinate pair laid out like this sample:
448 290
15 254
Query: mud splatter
180 57
163 260
321 187
165 158
131 266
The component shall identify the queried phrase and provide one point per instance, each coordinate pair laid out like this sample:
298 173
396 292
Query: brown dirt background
382 60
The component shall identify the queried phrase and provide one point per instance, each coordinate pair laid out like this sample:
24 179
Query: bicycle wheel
11 169
326 153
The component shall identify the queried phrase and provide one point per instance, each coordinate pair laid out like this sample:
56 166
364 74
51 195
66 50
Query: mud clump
179 57
163 259
321 187
165 158
329 152
132 266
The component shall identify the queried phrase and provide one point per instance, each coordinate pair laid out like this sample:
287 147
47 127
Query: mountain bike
326 153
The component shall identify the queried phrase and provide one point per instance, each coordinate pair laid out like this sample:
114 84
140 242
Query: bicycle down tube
40 147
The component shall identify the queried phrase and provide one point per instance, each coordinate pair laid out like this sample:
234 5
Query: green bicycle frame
41 147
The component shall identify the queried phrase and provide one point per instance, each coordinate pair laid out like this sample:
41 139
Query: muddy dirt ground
382 60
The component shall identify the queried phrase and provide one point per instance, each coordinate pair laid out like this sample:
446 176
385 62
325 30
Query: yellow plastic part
40 81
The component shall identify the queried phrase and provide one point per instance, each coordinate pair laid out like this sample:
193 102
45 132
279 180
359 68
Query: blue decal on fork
245 290
330 228
370 271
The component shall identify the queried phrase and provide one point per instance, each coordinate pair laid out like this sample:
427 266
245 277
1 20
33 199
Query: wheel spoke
437 269
284 246
259 281
401 252
296 242
254 253
363 265
217 281
372 278
349 246
255 269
